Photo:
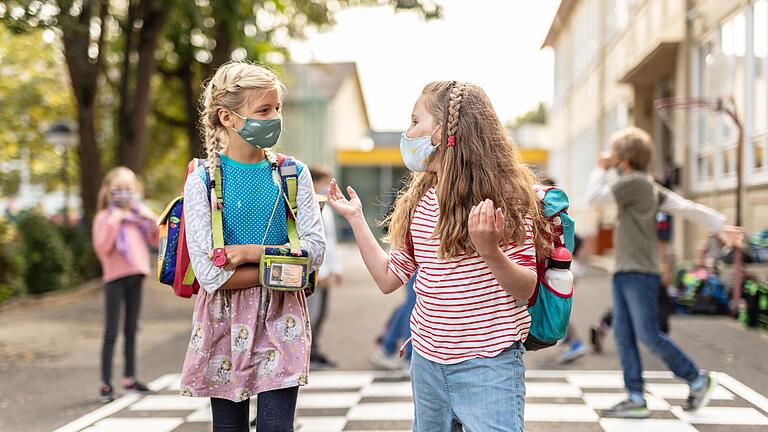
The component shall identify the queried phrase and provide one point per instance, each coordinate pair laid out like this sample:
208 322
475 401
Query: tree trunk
89 160
83 74
132 150
191 104
124 132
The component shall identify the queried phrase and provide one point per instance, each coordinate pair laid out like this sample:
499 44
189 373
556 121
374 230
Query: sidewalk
49 352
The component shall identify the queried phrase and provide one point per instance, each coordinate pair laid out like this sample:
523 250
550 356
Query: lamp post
62 136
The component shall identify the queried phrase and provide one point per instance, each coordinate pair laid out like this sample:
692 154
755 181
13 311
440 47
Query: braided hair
477 160
227 89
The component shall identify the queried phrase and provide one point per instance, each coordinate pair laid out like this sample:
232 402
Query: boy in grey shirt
637 279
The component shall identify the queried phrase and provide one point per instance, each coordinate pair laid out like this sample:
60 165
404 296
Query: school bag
550 310
174 267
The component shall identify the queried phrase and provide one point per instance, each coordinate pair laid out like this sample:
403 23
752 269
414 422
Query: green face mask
261 134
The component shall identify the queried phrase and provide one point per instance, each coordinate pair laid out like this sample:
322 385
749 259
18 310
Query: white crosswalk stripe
368 401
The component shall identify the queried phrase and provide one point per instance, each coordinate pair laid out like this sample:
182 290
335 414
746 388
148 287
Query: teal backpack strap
289 179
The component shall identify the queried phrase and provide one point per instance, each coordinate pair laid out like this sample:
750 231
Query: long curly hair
484 163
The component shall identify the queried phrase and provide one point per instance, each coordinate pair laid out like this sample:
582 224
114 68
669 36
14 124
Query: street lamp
62 136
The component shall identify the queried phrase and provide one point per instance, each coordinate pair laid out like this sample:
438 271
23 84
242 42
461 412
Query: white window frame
719 180
754 176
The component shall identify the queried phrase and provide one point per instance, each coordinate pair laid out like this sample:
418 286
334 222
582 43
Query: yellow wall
390 156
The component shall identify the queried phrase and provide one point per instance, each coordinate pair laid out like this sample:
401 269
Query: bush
48 260
11 262
85 263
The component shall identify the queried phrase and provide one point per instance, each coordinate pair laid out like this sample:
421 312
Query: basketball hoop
695 111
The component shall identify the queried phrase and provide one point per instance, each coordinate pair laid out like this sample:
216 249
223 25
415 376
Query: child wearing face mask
467 224
241 122
122 230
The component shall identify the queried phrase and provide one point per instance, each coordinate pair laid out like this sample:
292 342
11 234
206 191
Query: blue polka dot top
249 197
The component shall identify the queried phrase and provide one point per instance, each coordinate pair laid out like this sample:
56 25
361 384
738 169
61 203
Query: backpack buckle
219 257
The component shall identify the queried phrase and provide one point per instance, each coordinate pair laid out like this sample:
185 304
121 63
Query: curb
82 290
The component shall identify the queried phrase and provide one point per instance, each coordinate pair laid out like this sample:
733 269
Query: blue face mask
416 151
261 134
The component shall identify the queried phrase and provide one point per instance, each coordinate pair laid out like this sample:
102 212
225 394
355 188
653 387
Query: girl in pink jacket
123 229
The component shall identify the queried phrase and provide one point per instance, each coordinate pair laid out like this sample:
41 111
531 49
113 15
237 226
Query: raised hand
486 227
346 208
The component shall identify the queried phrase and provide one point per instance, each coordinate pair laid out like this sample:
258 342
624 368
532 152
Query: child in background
637 277
472 242
122 230
397 332
329 274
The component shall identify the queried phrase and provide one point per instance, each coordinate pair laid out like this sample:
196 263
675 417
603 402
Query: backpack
173 264
550 311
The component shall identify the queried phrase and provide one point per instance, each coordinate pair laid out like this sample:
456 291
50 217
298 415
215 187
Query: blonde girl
467 226
122 229
241 118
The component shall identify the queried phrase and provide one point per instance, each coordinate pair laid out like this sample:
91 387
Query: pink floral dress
246 341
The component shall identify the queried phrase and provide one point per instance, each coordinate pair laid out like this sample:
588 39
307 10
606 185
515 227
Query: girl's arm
515 268
375 258
106 225
197 220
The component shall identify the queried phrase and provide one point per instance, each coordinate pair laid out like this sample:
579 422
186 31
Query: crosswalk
370 400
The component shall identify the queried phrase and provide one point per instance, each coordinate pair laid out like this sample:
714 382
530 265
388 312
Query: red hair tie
452 141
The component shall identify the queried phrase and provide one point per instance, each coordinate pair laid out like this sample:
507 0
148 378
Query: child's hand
238 255
486 226
346 208
117 214
732 235
606 161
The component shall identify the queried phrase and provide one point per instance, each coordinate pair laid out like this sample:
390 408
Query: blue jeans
399 327
636 316
482 395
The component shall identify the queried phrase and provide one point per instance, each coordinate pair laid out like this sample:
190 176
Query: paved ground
49 364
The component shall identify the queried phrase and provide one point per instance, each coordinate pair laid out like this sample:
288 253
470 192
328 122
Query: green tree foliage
32 74
114 49
537 115
12 268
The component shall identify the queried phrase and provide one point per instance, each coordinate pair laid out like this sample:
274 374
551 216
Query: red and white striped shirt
461 311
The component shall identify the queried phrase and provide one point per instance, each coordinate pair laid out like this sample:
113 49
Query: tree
141 30
119 42
82 36
537 115
203 35
32 74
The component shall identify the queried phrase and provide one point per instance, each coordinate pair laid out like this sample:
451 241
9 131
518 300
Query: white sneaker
385 361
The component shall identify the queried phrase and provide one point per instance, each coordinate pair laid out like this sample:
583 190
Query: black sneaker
596 336
700 398
627 409
106 394
137 386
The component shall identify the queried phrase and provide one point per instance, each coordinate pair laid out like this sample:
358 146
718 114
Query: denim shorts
480 395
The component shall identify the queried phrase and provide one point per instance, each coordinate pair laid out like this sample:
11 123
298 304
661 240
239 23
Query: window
759 140
720 69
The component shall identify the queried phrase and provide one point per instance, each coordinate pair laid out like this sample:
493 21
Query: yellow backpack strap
217 225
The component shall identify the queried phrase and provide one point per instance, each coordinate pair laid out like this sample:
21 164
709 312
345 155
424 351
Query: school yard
49 353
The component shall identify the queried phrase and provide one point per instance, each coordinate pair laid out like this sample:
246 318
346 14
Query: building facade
614 58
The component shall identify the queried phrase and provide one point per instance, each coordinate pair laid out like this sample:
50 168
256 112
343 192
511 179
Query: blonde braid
454 109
